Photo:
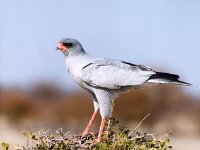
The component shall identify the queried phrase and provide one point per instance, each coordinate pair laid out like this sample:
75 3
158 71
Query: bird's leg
87 129
103 121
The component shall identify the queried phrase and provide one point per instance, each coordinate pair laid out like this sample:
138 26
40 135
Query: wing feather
112 74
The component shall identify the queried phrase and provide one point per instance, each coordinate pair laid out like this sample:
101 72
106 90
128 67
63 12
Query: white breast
75 65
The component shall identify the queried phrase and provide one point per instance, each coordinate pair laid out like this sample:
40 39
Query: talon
97 141
84 134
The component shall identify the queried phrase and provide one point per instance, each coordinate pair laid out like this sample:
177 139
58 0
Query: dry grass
114 137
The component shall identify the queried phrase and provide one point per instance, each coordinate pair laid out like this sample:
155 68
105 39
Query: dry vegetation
114 137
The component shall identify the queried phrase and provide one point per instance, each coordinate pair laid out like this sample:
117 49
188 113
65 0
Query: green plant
5 146
115 137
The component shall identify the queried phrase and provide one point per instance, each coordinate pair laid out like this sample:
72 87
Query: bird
105 78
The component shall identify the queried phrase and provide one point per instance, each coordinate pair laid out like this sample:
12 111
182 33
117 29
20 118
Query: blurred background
36 91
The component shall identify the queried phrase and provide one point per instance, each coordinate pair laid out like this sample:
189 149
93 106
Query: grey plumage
113 74
105 78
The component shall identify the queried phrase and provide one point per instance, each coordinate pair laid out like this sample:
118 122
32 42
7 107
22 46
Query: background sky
162 34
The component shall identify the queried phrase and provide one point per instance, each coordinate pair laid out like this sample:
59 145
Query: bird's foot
97 140
103 121
84 134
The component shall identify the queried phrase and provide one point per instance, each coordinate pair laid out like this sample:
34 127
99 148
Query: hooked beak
61 47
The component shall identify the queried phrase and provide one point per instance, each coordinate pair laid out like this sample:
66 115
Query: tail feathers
161 77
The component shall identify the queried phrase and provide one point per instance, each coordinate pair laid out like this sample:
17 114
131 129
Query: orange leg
87 129
103 121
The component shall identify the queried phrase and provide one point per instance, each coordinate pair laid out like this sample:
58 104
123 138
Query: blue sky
162 34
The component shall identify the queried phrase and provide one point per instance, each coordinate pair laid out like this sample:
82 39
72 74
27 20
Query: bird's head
70 47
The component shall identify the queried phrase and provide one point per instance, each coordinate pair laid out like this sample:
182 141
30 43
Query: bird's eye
67 44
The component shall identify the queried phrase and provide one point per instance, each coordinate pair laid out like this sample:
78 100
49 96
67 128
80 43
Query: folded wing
112 74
